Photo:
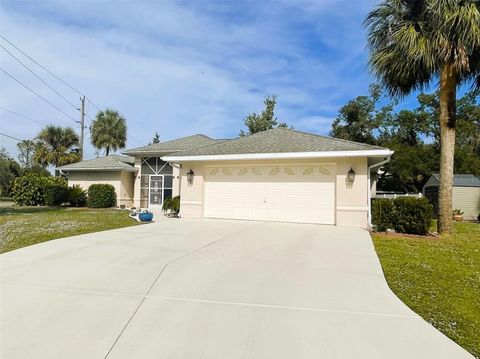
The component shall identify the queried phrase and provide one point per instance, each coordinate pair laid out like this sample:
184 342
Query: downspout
369 190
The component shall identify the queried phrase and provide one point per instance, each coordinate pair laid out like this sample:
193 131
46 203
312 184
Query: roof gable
278 140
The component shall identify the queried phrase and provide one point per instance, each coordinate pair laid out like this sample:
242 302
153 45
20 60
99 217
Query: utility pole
82 125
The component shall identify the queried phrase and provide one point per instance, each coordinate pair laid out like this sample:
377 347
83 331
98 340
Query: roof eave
285 155
104 169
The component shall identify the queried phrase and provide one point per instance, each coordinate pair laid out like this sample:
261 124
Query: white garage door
303 194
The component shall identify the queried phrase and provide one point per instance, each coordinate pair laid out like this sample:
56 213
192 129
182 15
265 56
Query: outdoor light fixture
190 175
351 175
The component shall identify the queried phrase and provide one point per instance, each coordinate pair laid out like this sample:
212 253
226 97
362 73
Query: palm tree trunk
448 88
107 150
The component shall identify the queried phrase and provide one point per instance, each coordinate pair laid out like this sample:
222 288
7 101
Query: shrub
101 196
56 194
412 215
77 197
172 204
382 214
29 190
404 215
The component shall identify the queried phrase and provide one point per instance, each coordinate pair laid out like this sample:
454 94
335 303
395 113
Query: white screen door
155 197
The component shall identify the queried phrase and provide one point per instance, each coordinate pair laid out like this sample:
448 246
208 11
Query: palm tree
414 43
109 131
56 146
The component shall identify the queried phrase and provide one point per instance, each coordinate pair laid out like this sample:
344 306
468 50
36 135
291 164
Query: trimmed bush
412 215
77 196
404 215
382 214
29 190
101 196
56 194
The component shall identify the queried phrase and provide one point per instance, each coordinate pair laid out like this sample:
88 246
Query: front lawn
439 279
24 226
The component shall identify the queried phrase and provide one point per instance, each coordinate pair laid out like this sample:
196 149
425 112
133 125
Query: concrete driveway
209 289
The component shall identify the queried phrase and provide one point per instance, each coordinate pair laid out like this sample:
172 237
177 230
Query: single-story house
465 193
276 175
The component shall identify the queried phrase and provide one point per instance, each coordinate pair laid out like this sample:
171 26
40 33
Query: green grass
439 279
24 226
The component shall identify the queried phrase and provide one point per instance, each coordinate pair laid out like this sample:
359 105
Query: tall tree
265 120
9 170
360 117
26 149
109 131
56 146
415 43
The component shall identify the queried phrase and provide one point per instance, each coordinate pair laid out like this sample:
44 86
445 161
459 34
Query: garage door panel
289 198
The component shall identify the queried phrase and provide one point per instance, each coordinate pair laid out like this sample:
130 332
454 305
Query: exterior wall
352 198
136 185
351 207
87 178
176 181
468 200
191 197
126 189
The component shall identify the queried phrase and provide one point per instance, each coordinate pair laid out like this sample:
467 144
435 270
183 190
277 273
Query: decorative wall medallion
213 171
289 171
324 171
226 171
242 172
274 171
308 171
256 171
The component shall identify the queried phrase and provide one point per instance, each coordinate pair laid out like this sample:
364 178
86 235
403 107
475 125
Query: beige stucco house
280 175
277 175
465 193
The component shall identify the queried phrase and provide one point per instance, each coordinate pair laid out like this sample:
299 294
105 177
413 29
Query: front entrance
155 197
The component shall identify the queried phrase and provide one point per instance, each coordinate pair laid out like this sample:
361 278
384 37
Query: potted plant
457 215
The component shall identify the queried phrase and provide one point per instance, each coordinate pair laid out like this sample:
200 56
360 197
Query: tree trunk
448 88
107 150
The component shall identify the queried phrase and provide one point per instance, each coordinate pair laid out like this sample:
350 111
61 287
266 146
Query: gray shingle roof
168 147
278 140
106 163
462 180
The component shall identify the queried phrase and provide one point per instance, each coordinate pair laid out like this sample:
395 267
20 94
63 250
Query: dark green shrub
101 196
382 214
412 215
29 190
172 204
77 196
56 194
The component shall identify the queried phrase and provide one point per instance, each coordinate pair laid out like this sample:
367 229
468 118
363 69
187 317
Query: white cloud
182 68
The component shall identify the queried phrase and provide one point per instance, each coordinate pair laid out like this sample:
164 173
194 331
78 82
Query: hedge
56 194
29 190
101 196
404 215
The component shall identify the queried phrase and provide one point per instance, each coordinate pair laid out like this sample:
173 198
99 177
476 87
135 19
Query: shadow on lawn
27 210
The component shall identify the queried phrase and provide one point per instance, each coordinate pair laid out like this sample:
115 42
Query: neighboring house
141 178
276 175
465 193
280 175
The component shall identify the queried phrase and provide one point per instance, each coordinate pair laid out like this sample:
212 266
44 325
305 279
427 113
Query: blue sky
187 67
